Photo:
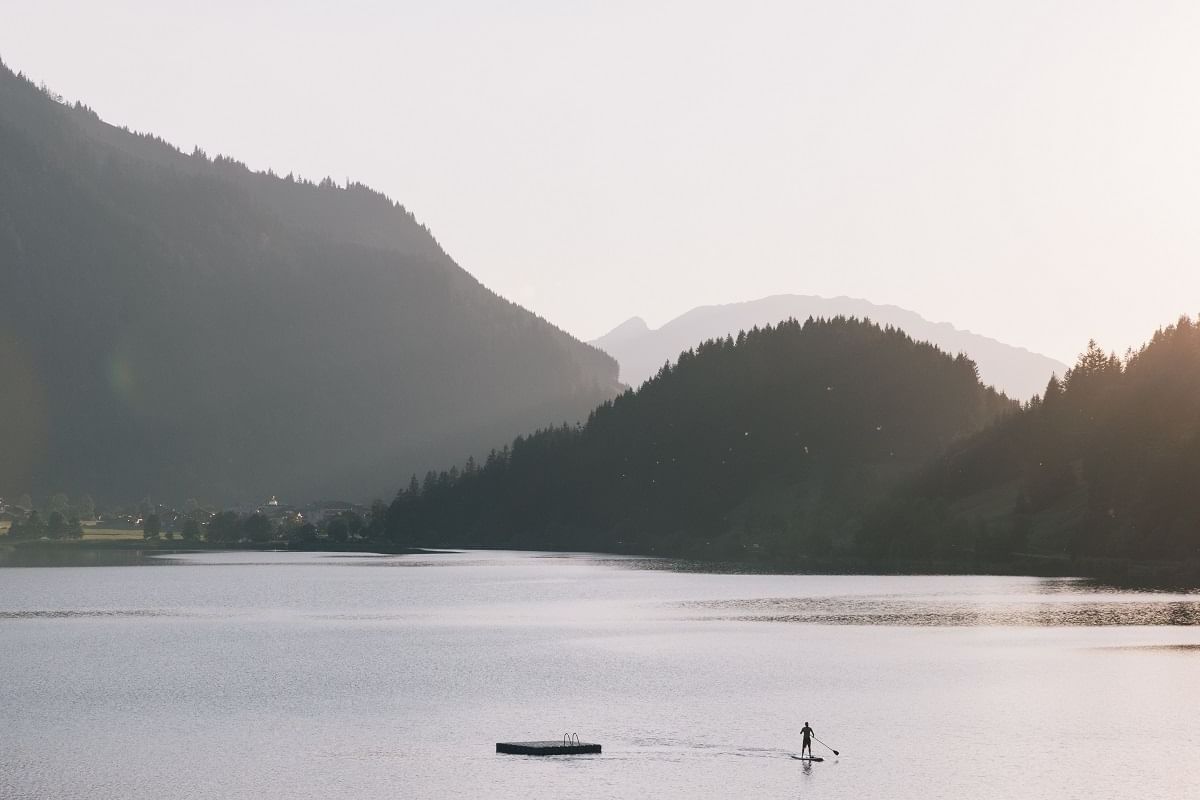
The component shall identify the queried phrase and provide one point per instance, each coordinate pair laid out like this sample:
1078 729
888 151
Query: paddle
835 752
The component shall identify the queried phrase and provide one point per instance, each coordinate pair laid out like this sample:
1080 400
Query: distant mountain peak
641 351
630 328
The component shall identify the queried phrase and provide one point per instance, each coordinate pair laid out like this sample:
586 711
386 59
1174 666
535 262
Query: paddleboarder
806 743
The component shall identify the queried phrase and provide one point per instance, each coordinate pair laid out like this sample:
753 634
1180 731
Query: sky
1026 170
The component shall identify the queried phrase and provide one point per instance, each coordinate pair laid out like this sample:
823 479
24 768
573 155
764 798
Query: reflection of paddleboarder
806 743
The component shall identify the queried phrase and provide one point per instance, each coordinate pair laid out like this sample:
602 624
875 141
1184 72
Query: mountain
179 326
774 441
641 351
1105 464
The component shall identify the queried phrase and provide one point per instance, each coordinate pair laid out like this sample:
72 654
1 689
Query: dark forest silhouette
1106 463
843 441
772 442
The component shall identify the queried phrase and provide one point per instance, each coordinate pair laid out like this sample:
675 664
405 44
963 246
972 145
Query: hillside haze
773 442
641 351
179 326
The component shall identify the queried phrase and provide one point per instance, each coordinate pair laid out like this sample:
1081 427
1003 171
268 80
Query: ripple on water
67 613
892 610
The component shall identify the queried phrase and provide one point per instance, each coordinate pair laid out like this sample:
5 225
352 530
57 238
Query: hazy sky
1028 170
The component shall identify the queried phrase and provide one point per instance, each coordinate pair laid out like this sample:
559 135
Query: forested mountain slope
775 442
1105 464
179 326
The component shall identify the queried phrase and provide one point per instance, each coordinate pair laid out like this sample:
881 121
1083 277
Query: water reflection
58 555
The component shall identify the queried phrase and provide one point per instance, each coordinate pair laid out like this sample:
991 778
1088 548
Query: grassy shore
94 531
101 533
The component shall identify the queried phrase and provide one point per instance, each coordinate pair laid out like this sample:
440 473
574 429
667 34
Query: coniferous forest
1106 463
773 443
840 440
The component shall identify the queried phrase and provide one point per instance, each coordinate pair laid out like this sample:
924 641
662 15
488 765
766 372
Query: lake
279 675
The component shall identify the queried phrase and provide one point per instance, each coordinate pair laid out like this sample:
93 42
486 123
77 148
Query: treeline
232 528
58 517
54 525
771 442
1105 464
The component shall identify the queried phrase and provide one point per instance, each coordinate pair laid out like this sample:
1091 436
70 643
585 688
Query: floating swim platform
567 746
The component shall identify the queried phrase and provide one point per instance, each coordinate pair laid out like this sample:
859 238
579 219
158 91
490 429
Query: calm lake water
276 675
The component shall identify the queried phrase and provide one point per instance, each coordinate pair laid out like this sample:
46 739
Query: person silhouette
806 742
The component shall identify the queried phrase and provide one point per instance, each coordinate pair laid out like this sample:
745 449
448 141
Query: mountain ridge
641 354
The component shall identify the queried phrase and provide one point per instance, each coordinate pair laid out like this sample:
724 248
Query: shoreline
1146 574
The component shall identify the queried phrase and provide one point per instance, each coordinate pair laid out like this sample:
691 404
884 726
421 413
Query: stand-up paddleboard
808 758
